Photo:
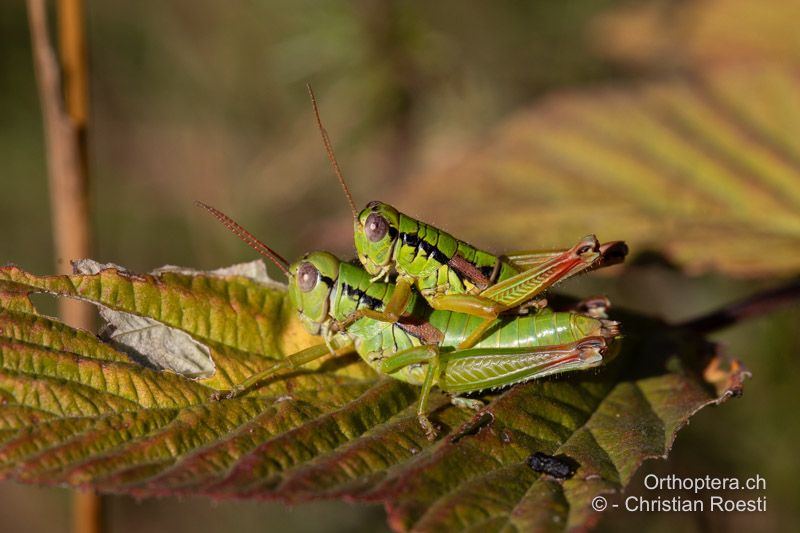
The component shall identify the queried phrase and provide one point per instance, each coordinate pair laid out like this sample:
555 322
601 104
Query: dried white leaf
151 342
253 270
155 344
148 341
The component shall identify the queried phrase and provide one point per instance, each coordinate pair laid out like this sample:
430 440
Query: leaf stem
752 306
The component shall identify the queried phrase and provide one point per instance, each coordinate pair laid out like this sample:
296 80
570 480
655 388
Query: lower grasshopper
421 347
451 274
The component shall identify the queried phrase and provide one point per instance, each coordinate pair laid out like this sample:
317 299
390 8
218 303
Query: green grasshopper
421 347
451 274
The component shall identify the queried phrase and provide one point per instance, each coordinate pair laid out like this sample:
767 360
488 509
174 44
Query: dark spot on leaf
557 466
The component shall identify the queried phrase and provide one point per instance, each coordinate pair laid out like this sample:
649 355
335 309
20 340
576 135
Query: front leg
294 360
391 311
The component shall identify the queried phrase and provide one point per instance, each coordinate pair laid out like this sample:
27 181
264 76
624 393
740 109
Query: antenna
247 237
328 148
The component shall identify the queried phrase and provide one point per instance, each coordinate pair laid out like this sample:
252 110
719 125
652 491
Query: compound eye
307 277
376 227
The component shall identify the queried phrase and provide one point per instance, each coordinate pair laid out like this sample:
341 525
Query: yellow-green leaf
704 170
75 411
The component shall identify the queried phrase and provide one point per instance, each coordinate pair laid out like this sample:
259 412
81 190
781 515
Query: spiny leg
294 360
519 289
611 253
427 354
527 259
516 290
541 271
479 369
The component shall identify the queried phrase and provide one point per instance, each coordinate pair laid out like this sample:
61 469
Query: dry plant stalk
65 141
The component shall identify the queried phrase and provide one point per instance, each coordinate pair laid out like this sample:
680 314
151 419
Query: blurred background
194 99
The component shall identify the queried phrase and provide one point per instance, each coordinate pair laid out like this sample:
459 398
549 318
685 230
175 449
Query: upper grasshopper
451 274
421 347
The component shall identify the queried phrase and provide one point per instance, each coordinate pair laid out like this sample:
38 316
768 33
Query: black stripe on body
409 239
361 297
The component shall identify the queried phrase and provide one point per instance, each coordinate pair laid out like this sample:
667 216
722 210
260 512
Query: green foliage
77 411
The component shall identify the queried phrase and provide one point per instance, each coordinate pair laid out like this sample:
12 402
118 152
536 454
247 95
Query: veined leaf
706 171
77 412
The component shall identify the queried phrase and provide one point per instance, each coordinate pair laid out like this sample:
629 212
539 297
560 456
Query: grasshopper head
310 283
376 232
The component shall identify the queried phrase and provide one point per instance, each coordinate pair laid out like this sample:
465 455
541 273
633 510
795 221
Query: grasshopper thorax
376 231
311 280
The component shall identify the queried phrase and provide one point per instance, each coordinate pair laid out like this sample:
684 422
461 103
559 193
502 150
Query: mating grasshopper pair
450 332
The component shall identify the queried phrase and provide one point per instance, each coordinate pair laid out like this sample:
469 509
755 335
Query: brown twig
68 184
87 512
755 305
65 142
72 48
